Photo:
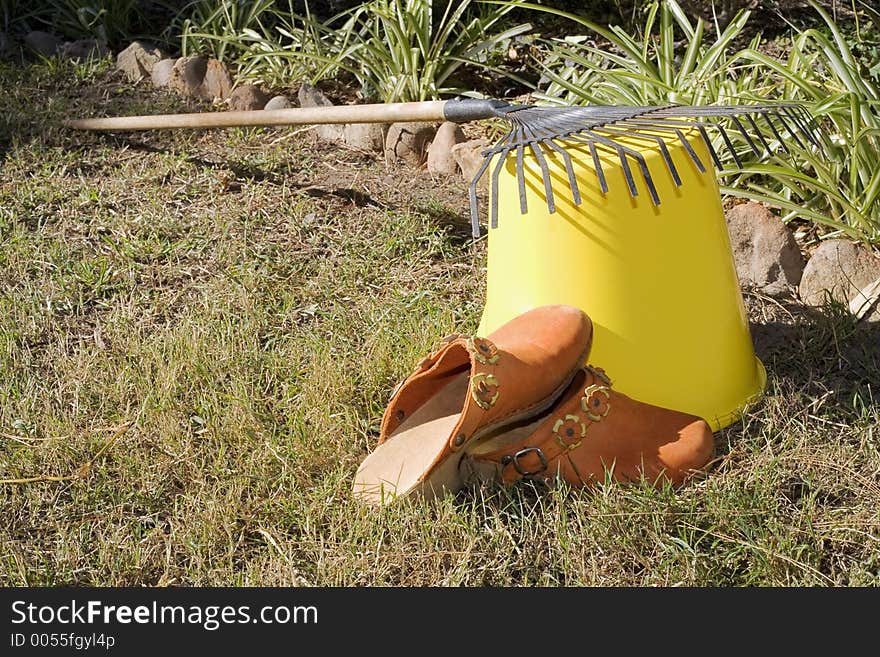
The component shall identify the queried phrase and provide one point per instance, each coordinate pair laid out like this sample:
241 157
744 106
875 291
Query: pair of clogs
521 404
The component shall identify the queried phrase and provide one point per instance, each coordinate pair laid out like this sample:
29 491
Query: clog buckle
514 460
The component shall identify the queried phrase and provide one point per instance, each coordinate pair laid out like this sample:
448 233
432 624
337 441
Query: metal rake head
543 131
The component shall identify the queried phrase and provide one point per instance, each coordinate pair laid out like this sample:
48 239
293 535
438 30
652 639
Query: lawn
198 335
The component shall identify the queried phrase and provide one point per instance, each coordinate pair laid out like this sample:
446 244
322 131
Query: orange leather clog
467 388
592 430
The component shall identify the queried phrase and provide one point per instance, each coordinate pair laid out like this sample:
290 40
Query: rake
542 132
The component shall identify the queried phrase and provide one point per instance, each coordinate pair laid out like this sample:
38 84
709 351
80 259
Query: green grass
225 315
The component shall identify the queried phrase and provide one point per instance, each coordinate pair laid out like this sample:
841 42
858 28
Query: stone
83 49
42 43
311 97
365 136
765 252
842 269
277 102
187 76
217 82
160 76
469 157
138 60
440 158
247 97
408 142
199 77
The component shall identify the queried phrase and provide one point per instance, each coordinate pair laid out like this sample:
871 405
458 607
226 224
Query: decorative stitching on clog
484 390
599 374
483 350
596 402
569 431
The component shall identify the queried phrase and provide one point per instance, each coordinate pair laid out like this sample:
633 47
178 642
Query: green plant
865 40
267 44
397 50
839 188
215 27
115 22
671 60
110 21
650 68
404 54
296 47
106 20
22 15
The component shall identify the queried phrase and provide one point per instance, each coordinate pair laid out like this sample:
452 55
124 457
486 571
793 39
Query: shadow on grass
822 348
243 171
822 367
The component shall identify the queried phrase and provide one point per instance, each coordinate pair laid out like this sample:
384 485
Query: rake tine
673 171
587 117
731 112
700 166
760 134
745 133
472 199
708 142
649 181
815 129
576 123
805 131
501 148
569 169
622 151
814 126
811 122
714 110
621 154
545 172
520 175
788 128
729 144
667 127
566 125
779 138
652 120
627 172
547 138
472 194
600 172
493 222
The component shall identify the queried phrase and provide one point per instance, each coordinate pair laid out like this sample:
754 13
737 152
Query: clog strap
586 402
482 356
436 351
484 390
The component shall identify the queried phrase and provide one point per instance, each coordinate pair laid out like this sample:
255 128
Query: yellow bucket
658 282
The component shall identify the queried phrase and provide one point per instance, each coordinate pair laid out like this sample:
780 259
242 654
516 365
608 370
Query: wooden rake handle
439 110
